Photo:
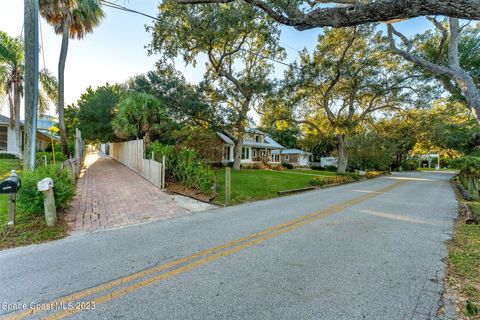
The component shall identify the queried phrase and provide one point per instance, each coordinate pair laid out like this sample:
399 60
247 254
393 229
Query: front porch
251 155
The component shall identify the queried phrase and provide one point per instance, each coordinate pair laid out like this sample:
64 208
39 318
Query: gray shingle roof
4 119
268 144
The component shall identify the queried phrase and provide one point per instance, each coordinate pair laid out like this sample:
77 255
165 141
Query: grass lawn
250 185
28 228
312 172
464 263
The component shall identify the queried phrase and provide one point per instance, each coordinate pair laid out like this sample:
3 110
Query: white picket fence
131 154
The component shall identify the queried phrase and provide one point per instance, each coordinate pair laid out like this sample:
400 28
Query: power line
123 8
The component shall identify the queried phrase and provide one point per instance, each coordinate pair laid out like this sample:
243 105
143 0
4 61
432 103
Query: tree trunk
237 151
16 107
241 126
342 154
469 91
61 89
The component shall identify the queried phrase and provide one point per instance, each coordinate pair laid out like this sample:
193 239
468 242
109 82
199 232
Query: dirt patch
175 187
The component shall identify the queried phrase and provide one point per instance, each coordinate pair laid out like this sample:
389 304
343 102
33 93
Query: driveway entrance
110 195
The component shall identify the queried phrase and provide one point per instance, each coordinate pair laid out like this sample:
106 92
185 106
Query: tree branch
353 13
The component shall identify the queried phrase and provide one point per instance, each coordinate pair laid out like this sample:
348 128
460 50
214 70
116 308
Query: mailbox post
10 186
46 186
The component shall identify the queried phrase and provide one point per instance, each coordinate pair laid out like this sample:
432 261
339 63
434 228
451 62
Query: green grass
28 228
313 172
250 185
464 262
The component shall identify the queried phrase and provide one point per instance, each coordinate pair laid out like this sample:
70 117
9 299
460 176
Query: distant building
8 142
295 157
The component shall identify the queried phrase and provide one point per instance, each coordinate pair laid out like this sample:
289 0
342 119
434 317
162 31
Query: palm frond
80 15
42 103
49 85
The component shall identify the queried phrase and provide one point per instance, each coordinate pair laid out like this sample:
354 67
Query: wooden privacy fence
75 164
131 154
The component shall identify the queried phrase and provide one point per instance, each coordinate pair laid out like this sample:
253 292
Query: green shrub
30 200
7 156
287 165
331 168
322 181
468 165
183 165
373 174
317 168
59 157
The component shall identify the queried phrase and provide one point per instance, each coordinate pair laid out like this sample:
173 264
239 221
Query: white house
257 147
8 142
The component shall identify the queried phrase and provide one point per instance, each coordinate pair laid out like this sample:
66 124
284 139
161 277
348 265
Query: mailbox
10 185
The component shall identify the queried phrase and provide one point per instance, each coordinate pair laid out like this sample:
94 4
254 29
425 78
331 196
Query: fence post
163 172
12 198
46 187
228 185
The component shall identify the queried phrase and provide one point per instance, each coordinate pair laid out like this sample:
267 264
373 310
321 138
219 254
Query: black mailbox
10 185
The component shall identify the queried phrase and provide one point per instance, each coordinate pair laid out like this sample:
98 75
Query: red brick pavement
111 195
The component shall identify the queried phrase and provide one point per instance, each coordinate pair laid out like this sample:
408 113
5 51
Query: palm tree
72 19
11 58
12 71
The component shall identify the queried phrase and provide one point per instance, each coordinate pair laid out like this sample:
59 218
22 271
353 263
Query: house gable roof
268 144
4 119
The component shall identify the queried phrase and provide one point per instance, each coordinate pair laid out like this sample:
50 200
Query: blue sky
116 49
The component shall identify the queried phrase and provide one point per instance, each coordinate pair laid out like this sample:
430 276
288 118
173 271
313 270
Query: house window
245 153
262 153
254 152
3 138
226 153
275 157
287 158
258 138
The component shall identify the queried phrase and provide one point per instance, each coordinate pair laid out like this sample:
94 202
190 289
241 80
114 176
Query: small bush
59 157
352 176
7 156
322 181
279 168
468 165
30 200
331 168
256 166
287 165
373 174
184 166
317 168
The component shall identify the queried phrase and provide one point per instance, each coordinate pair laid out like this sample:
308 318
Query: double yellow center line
152 275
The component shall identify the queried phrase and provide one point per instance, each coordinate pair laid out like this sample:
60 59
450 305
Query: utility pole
31 82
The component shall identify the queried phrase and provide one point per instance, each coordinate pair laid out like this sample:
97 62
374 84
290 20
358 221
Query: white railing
131 154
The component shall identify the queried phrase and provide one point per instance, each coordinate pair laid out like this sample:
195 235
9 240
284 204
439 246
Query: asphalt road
367 250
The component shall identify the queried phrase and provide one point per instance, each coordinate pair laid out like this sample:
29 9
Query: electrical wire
123 8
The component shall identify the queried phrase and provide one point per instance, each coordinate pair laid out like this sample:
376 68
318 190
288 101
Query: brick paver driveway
110 195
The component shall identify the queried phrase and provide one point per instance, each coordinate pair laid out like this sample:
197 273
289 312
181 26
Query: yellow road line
233 245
